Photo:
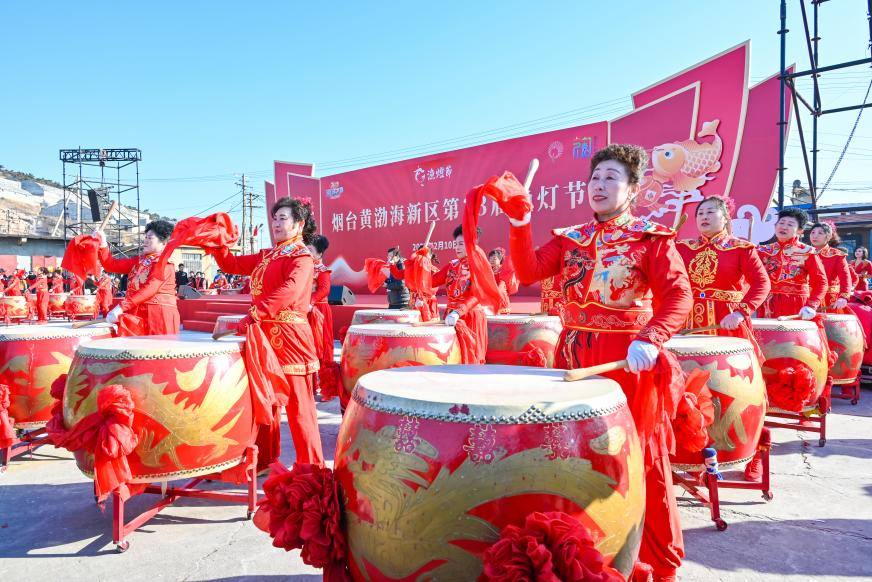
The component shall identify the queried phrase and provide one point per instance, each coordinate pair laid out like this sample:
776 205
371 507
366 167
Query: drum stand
710 497
25 442
848 391
169 495
812 421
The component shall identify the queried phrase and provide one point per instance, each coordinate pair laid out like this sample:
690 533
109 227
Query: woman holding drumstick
612 267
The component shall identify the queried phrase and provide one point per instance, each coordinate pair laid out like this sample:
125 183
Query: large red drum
192 407
435 461
226 323
515 339
32 357
16 307
81 306
738 395
792 344
846 340
362 316
371 347
57 304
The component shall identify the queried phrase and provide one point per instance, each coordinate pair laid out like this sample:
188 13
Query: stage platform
200 314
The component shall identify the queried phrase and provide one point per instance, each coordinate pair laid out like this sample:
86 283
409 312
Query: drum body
792 343
362 316
32 357
738 394
433 462
57 303
16 306
511 338
226 323
81 306
192 407
845 338
371 347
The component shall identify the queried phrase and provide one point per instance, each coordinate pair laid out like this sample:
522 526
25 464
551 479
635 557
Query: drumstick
788 317
750 228
582 373
531 171
430 233
106 218
679 221
698 329
222 334
80 324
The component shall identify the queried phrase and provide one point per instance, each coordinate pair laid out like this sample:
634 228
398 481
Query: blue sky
209 90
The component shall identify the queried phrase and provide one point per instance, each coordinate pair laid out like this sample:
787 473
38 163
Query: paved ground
819 524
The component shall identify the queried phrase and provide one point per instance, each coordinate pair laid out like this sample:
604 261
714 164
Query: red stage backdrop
705 132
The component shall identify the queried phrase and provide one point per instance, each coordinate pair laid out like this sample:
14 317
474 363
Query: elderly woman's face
151 243
609 191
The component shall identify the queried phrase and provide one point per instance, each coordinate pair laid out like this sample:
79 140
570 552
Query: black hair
459 231
498 253
161 229
300 212
320 242
829 230
795 213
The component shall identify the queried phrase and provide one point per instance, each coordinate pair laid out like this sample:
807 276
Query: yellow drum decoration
845 338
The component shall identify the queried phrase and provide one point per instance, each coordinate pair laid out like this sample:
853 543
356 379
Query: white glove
807 313
100 236
112 316
419 303
840 303
641 356
311 307
451 318
524 221
733 320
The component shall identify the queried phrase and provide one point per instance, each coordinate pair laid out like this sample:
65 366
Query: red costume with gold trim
838 274
863 268
726 275
320 293
104 294
13 288
507 280
281 288
797 277
57 283
455 277
610 273
151 293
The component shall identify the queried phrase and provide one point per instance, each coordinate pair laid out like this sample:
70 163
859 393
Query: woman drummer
863 267
281 291
610 267
835 263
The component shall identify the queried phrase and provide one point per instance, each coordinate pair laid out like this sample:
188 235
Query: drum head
522 319
492 394
840 317
159 347
400 330
787 325
57 330
708 345
389 312
230 318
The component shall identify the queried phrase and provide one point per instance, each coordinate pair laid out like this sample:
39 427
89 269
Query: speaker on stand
340 295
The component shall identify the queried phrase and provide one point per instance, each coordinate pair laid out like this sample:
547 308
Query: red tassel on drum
107 434
7 428
301 510
795 386
535 357
695 414
551 547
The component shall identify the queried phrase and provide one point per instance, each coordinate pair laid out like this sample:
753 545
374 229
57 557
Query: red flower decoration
794 387
535 357
304 512
695 413
551 547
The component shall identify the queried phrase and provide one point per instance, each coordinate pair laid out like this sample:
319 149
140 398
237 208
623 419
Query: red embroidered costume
797 277
104 294
863 268
726 275
611 271
281 287
151 293
838 274
324 344
455 277
40 287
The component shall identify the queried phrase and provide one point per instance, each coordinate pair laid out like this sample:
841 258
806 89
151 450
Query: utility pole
243 216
